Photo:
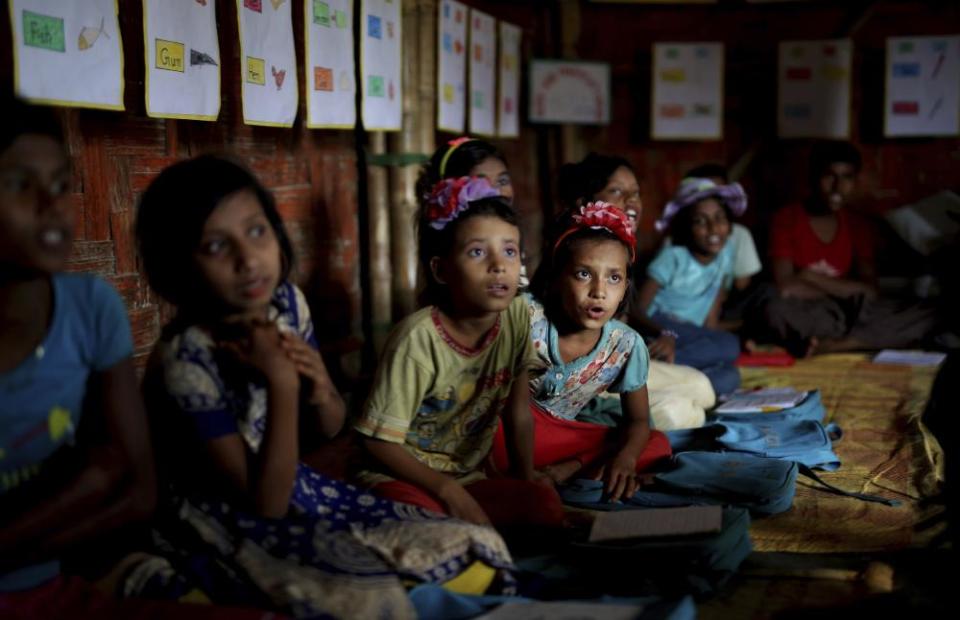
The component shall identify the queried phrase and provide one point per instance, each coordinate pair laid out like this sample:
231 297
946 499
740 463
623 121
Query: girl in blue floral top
583 351
235 387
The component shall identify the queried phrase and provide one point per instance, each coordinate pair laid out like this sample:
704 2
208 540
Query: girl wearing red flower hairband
583 350
451 371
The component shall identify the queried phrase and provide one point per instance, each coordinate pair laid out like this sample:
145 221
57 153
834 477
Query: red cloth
792 238
71 597
556 440
506 501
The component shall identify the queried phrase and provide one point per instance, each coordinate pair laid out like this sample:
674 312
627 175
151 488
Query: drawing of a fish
88 36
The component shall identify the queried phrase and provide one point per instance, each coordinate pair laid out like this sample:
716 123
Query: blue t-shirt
688 288
41 400
618 363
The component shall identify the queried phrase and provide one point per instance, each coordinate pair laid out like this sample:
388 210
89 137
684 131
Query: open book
909 358
758 401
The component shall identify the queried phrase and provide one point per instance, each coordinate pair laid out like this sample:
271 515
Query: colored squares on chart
673 53
447 42
376 86
702 52
478 99
323 79
673 75
797 52
799 74
253 5
702 109
374 27
906 69
834 73
256 71
389 30
169 55
672 110
939 46
906 47
43 31
321 13
448 93
341 19
446 11
906 108
478 53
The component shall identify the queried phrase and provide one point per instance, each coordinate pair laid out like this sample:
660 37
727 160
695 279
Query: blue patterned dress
340 552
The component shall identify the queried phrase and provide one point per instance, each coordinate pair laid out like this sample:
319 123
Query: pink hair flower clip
451 197
604 216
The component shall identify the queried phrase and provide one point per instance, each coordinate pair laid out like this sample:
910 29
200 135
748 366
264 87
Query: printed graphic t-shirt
439 399
41 400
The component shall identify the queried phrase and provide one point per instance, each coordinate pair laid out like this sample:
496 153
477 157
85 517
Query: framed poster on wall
565 91
813 89
182 53
687 91
922 86
67 53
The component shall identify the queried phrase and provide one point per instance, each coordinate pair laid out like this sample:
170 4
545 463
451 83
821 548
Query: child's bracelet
669 332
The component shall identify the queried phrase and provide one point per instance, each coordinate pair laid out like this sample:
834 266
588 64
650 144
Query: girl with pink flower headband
453 370
583 350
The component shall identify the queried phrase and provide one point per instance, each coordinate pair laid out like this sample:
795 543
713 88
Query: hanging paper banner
814 89
451 66
687 91
483 77
183 59
508 94
330 87
564 91
67 53
268 63
923 86
380 62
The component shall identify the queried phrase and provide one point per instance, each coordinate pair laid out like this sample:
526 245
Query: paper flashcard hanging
687 91
380 63
508 93
329 69
67 53
451 66
923 86
183 60
567 91
814 89
482 74
268 63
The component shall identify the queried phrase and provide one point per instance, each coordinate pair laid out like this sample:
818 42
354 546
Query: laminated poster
268 62
451 66
380 62
814 89
687 91
183 59
329 68
923 86
483 75
508 95
67 53
566 91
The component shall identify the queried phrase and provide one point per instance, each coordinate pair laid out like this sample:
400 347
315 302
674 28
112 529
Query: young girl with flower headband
583 350
236 386
467 157
684 290
452 371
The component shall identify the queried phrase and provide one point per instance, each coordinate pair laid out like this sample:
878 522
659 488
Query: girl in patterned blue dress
235 386
583 350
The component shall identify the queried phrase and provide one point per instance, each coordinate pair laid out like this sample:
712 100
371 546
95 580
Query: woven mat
885 450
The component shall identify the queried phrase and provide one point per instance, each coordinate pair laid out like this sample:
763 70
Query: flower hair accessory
603 216
452 146
451 197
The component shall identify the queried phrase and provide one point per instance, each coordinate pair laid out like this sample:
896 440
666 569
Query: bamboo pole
426 102
379 231
403 177
571 139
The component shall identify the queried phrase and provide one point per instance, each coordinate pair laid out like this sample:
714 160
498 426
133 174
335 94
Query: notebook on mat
655 522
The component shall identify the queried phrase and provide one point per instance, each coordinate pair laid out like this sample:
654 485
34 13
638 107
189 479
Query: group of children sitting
483 401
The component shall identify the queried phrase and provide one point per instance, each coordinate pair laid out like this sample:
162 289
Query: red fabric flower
605 216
